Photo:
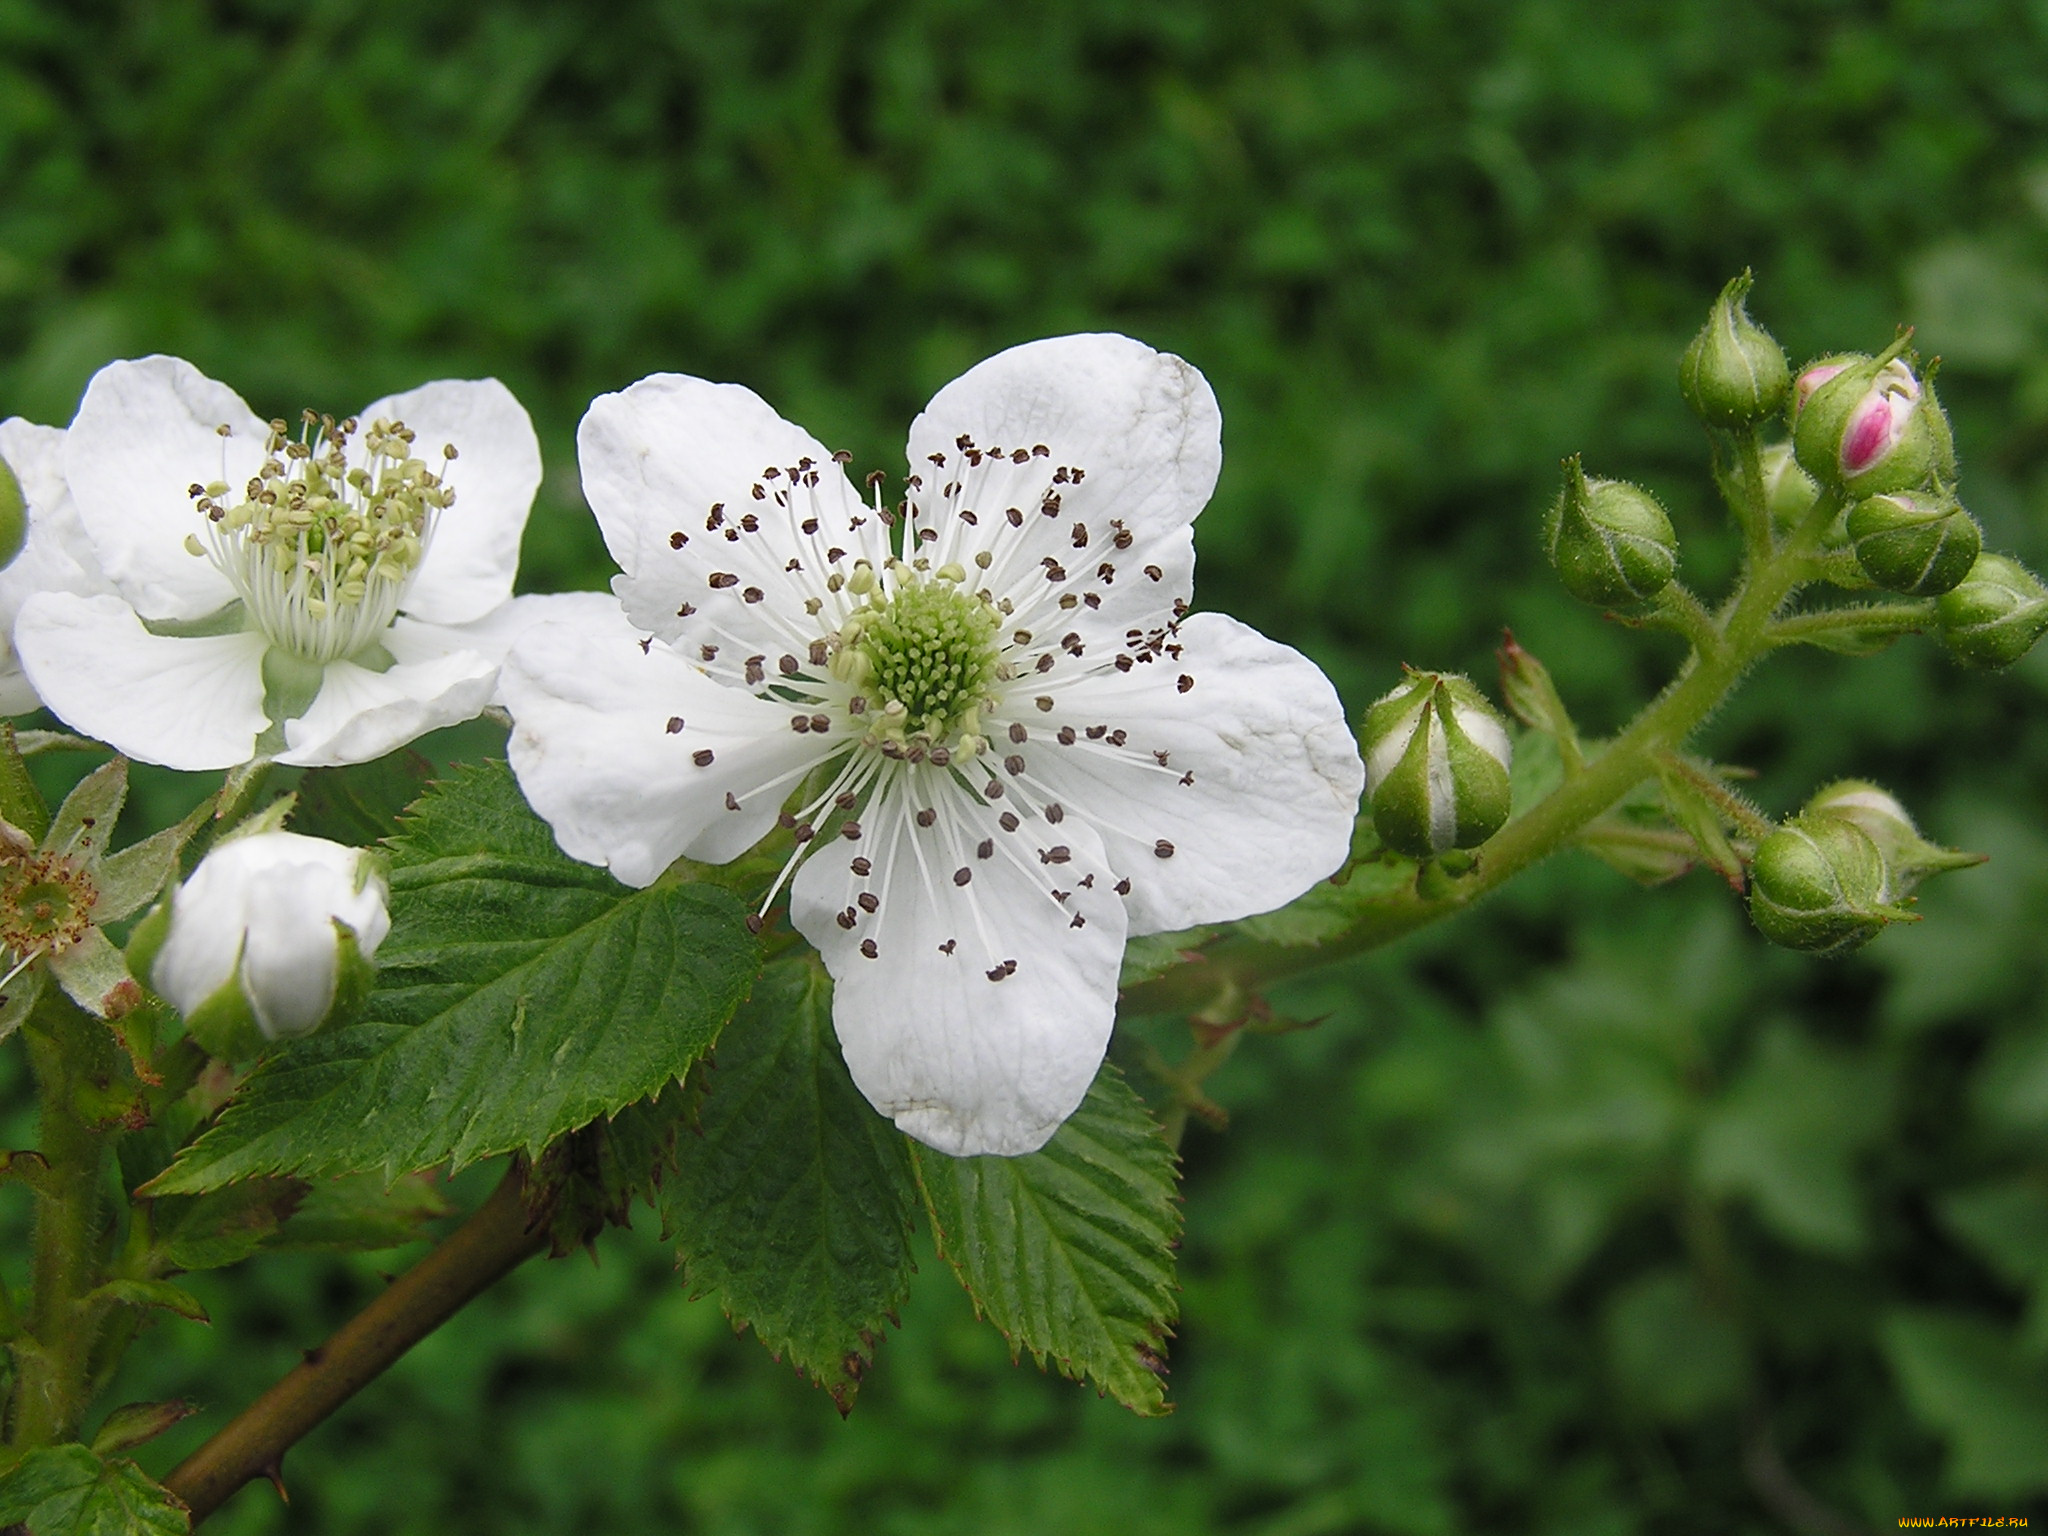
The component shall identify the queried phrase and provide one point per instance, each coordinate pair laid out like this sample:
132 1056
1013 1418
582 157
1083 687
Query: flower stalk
1723 651
493 1242
53 1355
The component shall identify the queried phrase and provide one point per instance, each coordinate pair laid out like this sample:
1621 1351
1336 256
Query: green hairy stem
54 1354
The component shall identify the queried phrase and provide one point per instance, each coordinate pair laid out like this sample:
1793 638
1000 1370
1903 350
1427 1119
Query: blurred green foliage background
1587 1215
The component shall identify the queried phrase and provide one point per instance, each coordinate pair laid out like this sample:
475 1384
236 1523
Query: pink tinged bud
1807 382
1878 421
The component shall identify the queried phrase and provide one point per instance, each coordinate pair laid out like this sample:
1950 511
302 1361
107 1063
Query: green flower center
46 902
926 659
324 539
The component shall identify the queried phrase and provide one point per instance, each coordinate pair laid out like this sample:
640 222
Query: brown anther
675 723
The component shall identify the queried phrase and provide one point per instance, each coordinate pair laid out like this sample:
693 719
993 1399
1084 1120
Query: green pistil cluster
320 549
925 658
46 903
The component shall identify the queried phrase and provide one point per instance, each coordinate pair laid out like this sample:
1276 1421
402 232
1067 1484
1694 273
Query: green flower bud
1908 857
1610 541
1789 491
1994 616
1920 545
13 515
1819 883
1733 374
1436 766
1868 425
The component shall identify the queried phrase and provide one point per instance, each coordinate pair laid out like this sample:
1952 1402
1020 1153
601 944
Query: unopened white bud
272 928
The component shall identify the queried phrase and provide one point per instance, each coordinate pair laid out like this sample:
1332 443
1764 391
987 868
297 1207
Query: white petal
961 1062
469 568
592 700
205 940
289 962
186 703
1276 775
146 432
359 714
56 555
1143 429
658 456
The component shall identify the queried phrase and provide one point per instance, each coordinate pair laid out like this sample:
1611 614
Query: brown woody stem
493 1242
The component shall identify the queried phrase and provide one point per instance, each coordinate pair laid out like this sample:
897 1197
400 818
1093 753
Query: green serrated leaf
160 1294
65 1490
225 1226
358 1214
1070 1251
590 1178
520 995
361 804
795 1202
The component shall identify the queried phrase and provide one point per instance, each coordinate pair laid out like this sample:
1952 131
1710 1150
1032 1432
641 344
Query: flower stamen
326 537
